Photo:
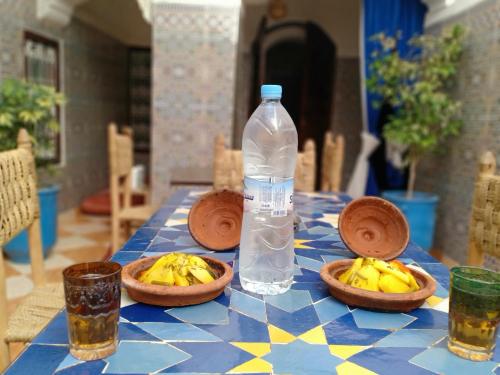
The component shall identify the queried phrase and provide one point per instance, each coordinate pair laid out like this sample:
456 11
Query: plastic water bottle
266 262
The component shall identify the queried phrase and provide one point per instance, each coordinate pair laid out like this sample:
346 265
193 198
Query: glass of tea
474 312
92 292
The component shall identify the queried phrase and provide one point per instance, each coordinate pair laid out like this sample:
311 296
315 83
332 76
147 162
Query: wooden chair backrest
305 169
228 167
484 229
121 161
332 162
19 209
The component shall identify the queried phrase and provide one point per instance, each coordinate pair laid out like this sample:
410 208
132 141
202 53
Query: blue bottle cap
270 91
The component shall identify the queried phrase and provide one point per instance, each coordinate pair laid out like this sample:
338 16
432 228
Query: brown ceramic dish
174 295
374 227
402 302
215 219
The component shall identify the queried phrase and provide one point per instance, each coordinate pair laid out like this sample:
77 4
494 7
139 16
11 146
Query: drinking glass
474 312
92 292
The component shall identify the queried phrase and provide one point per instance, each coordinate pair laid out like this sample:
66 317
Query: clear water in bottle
266 262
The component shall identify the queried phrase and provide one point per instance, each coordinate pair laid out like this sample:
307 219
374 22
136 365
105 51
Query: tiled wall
193 89
451 173
94 80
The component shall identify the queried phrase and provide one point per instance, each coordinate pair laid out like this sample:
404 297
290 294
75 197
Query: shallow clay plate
215 219
374 227
402 302
174 295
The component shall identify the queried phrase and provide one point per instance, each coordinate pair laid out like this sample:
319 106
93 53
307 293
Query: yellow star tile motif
314 336
332 219
433 300
258 349
256 365
299 244
345 351
349 368
279 336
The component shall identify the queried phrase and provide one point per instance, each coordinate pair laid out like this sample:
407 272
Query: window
41 63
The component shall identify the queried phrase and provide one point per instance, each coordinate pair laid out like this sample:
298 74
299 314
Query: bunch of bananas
379 276
178 269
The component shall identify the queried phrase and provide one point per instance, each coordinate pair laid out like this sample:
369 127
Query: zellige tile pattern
305 331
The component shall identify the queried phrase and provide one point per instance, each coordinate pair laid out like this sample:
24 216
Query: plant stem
412 177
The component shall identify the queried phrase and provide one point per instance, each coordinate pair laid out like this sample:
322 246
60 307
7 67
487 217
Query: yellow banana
180 280
178 269
369 261
389 283
201 274
349 274
413 283
198 262
371 275
388 269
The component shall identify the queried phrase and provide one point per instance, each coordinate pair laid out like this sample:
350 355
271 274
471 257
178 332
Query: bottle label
269 196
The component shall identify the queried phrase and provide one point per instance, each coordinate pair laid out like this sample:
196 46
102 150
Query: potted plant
424 114
33 107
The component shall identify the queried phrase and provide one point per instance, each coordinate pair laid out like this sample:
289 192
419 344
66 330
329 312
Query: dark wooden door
300 57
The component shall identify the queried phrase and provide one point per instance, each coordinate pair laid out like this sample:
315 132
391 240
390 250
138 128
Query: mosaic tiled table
304 331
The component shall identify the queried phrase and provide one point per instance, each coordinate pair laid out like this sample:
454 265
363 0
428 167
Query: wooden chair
332 162
19 209
228 167
305 169
484 229
120 147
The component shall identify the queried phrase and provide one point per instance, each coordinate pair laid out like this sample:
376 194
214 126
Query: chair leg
475 257
115 235
127 227
4 347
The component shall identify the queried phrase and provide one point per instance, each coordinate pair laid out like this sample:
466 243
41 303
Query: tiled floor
82 238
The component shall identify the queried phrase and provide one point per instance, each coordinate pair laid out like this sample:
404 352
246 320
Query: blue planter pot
17 249
420 211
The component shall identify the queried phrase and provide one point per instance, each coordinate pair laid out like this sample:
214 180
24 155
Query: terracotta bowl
174 295
215 219
402 302
374 227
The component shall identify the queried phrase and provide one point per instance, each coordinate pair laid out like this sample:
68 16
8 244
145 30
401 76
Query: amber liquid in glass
93 332
93 310
473 322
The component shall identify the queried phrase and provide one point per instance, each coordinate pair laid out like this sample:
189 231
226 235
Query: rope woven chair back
484 230
19 210
18 196
305 169
121 151
332 162
228 166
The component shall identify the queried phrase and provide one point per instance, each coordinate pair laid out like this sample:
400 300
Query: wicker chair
305 169
228 167
484 229
120 169
332 162
19 210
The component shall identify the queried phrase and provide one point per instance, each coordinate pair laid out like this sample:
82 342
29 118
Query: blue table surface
304 331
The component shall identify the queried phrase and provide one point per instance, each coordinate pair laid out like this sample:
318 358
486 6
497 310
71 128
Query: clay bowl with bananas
176 279
376 289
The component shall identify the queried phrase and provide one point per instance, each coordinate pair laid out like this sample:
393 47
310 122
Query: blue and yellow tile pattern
304 331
